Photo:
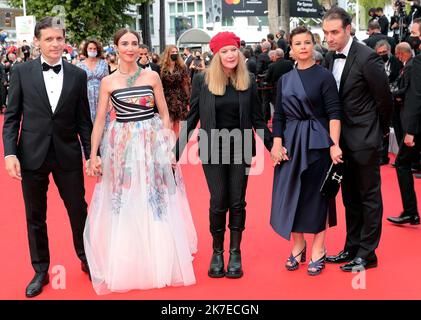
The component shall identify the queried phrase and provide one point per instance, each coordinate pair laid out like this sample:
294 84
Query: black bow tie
46 67
143 66
339 56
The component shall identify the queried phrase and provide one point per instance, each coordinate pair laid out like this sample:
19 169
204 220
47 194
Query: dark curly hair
97 45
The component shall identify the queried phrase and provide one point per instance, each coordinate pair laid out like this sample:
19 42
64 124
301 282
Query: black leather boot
217 228
216 268
236 225
235 269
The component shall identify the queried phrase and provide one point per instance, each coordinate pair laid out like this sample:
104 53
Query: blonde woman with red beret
224 99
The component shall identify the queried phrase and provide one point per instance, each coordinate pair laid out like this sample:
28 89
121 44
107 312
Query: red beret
223 39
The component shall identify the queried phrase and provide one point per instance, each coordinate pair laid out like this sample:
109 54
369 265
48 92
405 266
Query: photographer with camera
399 22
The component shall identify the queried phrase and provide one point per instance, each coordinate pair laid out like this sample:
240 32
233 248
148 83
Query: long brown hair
217 80
166 59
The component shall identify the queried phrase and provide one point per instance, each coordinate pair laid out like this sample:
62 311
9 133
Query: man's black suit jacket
252 65
277 69
404 80
372 40
384 24
395 68
366 99
154 67
30 126
263 62
411 118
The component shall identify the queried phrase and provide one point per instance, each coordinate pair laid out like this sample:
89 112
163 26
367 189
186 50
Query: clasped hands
93 167
278 153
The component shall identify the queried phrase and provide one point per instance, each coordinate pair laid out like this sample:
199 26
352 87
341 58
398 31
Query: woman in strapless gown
139 233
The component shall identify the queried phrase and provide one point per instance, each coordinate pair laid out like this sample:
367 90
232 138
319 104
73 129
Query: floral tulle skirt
139 233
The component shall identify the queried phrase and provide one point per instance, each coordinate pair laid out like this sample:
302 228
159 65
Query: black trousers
266 99
404 160
397 126
363 202
397 121
385 149
227 185
3 90
71 188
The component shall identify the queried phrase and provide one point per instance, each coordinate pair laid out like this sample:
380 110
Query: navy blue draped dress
307 100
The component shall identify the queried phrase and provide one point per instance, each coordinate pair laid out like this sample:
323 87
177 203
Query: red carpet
264 252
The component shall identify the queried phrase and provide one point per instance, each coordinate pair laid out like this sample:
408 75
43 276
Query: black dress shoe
359 264
402 219
415 170
34 287
341 257
384 161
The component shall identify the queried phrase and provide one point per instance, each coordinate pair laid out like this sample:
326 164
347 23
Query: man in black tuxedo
410 147
393 68
144 59
48 100
367 106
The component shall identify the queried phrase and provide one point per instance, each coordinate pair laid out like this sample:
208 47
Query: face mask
385 57
415 42
174 56
92 54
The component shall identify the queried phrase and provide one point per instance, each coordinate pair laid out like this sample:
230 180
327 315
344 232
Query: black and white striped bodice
133 104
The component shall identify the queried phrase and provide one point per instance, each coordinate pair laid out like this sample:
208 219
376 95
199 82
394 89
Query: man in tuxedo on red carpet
48 101
367 106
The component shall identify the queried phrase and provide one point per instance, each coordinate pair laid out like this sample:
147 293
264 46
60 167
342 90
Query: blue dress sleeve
279 118
332 103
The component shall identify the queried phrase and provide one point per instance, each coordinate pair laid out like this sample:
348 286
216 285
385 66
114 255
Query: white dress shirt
339 64
53 84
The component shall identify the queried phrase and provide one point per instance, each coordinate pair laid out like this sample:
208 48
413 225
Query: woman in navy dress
306 129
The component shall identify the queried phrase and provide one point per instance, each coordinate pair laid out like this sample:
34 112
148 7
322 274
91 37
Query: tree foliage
367 4
84 18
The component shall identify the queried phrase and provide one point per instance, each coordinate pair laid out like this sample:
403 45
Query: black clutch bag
332 182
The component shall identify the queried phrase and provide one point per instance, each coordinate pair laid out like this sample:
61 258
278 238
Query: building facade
203 14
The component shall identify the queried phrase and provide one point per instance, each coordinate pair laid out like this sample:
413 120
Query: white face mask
92 54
